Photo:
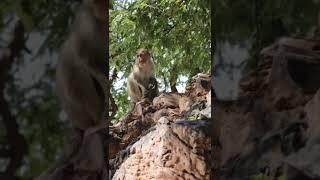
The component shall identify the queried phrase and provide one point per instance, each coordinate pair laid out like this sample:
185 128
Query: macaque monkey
81 83
141 82
82 68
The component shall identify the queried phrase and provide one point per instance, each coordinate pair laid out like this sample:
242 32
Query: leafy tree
177 32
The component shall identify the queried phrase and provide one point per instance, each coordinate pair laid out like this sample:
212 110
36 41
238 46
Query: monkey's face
142 56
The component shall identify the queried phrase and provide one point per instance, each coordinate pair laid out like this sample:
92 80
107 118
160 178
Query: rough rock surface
171 151
273 128
168 139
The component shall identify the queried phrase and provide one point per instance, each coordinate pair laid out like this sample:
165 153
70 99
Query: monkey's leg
97 69
140 110
82 101
145 102
101 121
133 90
84 106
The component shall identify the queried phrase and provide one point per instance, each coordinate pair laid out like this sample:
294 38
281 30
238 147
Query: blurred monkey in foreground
82 68
142 83
81 83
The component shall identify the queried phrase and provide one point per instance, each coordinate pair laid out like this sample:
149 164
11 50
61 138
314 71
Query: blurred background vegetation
177 32
32 126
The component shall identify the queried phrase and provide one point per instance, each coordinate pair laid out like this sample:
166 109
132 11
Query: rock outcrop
167 139
273 128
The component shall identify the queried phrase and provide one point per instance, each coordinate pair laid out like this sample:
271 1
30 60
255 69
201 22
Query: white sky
180 87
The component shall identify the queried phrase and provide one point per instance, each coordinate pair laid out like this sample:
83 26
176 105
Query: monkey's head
99 8
142 56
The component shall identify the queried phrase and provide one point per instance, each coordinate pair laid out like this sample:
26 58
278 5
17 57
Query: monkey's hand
152 90
153 84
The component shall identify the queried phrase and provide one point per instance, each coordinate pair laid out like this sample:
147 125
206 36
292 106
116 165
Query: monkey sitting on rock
142 84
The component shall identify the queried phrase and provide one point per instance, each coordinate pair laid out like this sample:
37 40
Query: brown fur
142 71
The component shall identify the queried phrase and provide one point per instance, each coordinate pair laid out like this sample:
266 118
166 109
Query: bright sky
180 87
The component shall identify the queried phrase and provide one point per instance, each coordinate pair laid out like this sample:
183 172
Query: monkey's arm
152 89
91 56
96 69
153 85
100 72
135 89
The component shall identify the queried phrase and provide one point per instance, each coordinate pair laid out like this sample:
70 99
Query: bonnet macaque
82 68
141 82
81 83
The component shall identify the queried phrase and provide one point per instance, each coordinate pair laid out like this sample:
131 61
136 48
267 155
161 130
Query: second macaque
142 83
